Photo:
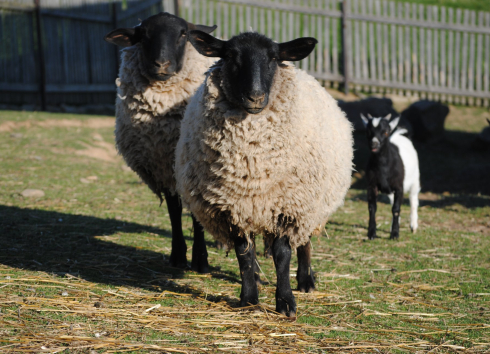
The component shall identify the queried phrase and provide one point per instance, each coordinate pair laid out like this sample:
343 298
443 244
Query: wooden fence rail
363 45
78 67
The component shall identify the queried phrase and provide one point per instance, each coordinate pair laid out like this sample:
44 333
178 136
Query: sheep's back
279 171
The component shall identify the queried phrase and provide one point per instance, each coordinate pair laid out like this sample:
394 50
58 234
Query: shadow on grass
447 166
59 243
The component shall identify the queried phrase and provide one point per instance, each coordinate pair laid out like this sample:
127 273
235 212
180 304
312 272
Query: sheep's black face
379 131
250 61
249 65
163 38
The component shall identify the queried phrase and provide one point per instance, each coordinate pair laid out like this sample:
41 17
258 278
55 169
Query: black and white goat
393 168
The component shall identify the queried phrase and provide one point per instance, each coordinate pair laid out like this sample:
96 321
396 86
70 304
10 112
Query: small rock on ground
32 193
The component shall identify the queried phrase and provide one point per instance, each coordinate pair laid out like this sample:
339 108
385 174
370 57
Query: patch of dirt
455 224
9 126
101 150
428 196
94 123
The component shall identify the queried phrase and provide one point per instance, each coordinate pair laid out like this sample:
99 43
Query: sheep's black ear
207 29
365 121
297 49
206 44
123 37
394 123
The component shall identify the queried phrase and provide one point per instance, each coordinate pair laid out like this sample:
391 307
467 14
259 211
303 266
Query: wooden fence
371 45
52 52
364 45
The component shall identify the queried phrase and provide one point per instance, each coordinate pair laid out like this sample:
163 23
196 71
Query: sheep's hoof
249 301
394 236
178 263
306 285
286 307
372 233
200 266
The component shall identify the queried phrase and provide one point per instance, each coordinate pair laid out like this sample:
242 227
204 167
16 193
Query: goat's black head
379 130
250 61
163 38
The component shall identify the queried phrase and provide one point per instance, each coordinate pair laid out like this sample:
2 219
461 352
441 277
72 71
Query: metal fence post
345 43
40 52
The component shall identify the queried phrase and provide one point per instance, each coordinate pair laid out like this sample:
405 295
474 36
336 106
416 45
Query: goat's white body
411 181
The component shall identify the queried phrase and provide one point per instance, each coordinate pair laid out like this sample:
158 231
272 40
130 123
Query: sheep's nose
163 65
256 97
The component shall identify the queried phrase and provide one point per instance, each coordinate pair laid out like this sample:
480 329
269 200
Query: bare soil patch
95 123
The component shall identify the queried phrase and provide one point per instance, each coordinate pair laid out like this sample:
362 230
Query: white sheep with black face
393 168
160 71
264 149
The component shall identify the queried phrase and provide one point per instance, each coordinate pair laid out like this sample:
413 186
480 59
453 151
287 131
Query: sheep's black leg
304 275
395 226
245 253
372 196
178 255
281 253
199 253
267 248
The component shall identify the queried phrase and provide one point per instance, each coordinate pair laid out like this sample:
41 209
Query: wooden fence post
40 53
345 44
114 26
176 7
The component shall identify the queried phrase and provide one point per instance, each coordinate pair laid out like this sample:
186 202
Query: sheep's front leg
178 257
245 253
305 277
372 196
281 253
395 226
199 253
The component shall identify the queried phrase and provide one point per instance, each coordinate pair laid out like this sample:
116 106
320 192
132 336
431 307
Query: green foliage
478 5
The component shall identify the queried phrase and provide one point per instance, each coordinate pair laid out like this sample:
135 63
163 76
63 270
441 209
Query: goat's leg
281 253
199 253
414 204
372 196
245 253
179 248
395 226
304 275
391 197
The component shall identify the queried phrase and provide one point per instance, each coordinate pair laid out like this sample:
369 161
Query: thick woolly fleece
282 171
148 115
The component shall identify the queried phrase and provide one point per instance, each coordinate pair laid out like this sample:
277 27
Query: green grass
81 267
478 5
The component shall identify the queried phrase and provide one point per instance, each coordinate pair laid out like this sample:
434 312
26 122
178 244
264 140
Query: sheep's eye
386 133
